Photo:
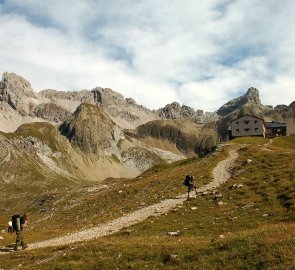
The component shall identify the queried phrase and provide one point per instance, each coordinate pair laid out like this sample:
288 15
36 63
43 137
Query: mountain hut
247 125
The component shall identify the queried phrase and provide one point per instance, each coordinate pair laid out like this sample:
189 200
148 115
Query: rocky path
220 175
221 171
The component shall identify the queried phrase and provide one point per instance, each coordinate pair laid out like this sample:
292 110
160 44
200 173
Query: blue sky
199 53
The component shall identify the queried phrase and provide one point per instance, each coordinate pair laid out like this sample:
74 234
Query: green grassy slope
252 227
287 143
46 132
30 176
249 140
93 203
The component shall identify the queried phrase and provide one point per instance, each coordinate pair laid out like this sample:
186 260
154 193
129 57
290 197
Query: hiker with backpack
189 182
17 224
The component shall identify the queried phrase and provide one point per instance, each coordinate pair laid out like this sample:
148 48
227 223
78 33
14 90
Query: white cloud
197 53
281 91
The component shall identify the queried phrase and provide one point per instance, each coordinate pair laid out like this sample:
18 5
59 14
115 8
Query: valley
101 178
248 221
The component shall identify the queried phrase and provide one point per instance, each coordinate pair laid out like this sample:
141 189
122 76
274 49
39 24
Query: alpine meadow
147 135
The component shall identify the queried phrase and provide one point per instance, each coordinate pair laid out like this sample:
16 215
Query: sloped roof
275 124
250 116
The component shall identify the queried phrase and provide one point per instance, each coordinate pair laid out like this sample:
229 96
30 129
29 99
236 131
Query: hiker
189 182
191 186
18 223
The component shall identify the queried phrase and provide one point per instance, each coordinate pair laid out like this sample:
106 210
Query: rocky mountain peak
175 111
251 98
130 101
252 95
107 96
124 112
91 129
17 83
17 92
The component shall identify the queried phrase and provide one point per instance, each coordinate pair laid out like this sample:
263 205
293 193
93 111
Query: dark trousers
19 240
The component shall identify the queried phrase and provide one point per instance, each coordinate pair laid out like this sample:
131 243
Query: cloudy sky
199 53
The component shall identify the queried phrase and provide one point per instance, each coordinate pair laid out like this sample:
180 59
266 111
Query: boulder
177 233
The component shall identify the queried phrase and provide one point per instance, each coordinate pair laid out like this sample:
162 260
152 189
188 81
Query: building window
246 129
237 122
237 130
247 122
256 129
256 121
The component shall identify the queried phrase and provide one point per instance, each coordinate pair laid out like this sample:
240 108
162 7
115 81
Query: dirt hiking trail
220 175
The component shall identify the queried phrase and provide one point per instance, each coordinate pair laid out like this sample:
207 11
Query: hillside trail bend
220 175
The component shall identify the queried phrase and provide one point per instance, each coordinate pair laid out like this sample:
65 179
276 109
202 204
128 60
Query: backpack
10 228
16 222
187 180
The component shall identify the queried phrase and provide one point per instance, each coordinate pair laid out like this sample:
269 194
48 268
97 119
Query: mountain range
95 134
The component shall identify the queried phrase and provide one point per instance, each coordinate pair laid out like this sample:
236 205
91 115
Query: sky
198 53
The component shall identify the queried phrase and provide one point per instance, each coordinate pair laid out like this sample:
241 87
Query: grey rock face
140 158
18 93
283 111
281 107
52 112
20 104
208 117
83 96
251 97
119 108
125 112
91 129
175 111
130 101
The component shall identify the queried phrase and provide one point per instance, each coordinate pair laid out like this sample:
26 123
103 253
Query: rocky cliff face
51 112
17 102
20 104
93 123
251 98
124 112
18 93
69 99
176 111
284 110
91 129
